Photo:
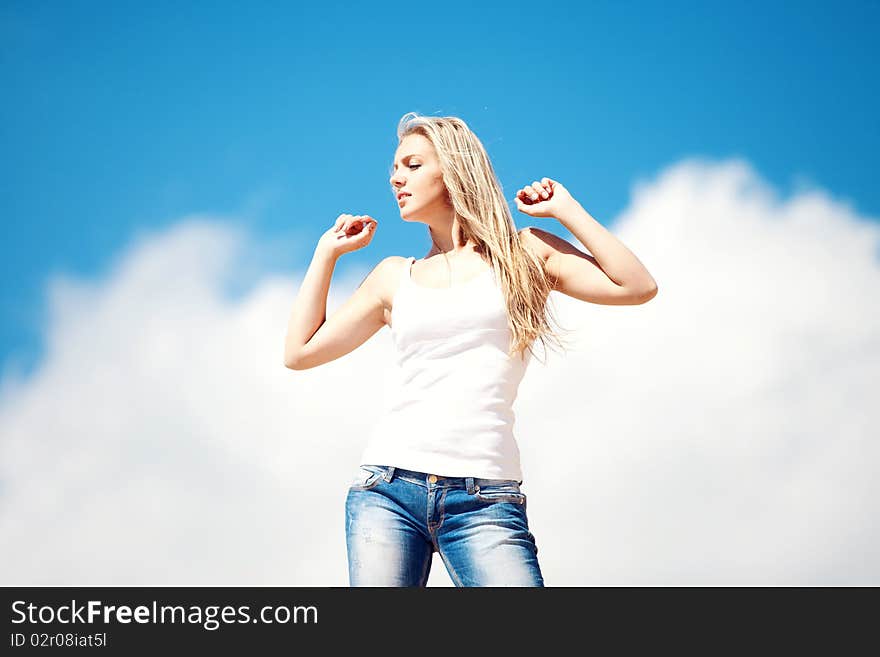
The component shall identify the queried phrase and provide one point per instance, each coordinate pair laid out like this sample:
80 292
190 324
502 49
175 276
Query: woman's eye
414 166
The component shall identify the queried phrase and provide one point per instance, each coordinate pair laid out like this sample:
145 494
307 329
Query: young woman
441 470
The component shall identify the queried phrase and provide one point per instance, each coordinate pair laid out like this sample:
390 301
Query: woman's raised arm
311 339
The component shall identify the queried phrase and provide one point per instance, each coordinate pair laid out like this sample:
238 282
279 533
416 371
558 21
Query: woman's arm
356 320
311 338
310 308
615 276
619 263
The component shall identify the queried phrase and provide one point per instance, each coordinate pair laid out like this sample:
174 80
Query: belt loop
469 482
389 473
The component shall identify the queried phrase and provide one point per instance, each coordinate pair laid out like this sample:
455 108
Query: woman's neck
453 252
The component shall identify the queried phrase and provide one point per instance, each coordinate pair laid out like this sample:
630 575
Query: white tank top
451 412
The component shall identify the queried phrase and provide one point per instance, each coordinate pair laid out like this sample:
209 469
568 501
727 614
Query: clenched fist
349 233
544 198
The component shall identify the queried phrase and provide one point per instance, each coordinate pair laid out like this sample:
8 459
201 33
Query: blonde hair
485 218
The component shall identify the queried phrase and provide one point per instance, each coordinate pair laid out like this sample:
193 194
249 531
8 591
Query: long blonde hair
484 217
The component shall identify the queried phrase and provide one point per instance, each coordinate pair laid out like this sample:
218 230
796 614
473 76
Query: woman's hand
547 198
349 233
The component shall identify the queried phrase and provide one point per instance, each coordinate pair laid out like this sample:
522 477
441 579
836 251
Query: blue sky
120 117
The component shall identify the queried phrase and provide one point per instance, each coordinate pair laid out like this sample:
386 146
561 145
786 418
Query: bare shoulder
547 246
578 274
538 241
382 281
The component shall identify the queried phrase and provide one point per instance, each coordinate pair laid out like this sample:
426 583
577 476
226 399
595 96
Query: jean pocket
366 477
502 492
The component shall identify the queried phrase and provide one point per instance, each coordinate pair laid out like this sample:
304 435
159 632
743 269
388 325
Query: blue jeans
395 519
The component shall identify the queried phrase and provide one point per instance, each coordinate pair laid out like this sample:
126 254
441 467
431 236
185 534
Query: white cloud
720 434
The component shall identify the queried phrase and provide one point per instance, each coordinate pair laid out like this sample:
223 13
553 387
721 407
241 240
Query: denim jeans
395 519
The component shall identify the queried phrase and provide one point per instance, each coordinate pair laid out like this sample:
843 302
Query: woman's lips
403 198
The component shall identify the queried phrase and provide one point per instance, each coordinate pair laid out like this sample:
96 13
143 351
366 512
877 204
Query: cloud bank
722 434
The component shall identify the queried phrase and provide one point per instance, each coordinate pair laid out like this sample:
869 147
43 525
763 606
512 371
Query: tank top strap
405 277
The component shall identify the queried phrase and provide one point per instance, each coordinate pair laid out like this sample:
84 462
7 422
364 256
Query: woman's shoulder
388 273
534 239
392 265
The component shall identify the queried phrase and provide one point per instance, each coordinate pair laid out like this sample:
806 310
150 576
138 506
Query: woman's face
416 171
